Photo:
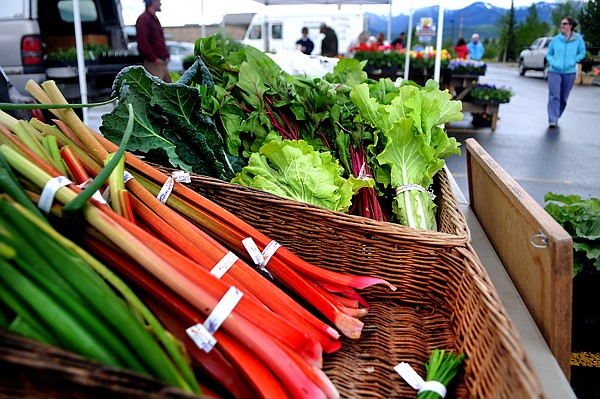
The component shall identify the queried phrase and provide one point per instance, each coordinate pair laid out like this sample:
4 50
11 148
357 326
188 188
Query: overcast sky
181 12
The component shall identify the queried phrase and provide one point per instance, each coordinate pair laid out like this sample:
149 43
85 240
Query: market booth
452 293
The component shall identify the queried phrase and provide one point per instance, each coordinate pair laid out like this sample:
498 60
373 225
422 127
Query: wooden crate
535 250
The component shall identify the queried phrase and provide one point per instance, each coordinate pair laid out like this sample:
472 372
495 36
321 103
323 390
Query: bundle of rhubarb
216 283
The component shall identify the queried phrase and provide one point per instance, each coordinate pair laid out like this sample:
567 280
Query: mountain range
480 17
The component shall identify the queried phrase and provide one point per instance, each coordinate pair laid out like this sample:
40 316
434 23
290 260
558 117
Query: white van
284 29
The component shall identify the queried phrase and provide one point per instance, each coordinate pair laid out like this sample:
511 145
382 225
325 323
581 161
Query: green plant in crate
90 52
491 93
581 219
380 59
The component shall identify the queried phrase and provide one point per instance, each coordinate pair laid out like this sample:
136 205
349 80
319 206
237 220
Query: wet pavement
564 160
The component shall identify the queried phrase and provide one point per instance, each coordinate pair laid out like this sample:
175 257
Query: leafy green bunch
581 219
170 124
412 145
491 93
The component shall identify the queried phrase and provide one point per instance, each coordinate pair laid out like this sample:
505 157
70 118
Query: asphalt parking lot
563 160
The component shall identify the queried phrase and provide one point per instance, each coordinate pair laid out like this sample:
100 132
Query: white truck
283 28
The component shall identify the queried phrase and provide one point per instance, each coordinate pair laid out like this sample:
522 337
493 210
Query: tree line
515 37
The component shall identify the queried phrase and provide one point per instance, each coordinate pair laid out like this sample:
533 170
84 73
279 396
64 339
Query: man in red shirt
151 41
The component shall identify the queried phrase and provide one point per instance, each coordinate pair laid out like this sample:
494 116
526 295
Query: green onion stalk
442 367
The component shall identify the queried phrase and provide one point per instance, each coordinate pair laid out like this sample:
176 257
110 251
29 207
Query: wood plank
541 270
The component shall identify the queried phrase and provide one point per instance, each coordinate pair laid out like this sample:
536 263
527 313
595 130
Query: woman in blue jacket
565 51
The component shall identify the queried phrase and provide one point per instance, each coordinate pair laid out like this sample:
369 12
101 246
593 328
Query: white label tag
409 374
269 251
127 176
165 191
416 382
261 259
49 191
201 337
181 176
253 251
223 309
97 196
224 264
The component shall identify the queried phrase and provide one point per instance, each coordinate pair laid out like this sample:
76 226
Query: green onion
442 367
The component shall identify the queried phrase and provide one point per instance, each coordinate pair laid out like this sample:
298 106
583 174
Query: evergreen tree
564 8
531 28
589 23
508 34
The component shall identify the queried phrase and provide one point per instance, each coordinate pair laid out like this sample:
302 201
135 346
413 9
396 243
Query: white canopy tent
440 28
440 24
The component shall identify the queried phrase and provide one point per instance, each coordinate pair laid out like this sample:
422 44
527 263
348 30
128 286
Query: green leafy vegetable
442 367
293 169
414 144
169 122
581 219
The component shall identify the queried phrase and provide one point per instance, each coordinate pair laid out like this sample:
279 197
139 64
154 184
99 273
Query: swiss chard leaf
169 123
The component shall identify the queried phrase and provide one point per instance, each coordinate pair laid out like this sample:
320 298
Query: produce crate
267 209
29 369
444 298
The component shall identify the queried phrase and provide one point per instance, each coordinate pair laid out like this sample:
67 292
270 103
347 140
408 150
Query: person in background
399 41
380 40
329 45
461 48
151 42
361 43
475 48
564 52
306 45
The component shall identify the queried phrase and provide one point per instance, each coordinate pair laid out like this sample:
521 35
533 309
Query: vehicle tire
522 68
546 70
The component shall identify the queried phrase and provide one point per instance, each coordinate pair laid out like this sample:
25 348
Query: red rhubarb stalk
77 170
202 245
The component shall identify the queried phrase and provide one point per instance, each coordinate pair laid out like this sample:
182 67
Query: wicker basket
444 298
452 227
29 369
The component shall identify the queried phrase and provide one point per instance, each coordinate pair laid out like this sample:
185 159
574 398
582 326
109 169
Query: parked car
533 58
178 52
31 30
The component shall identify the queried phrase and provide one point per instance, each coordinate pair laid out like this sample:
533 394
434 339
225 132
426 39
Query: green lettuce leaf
293 169
414 146
581 219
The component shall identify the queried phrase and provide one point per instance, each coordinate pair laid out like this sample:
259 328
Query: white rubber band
127 176
362 174
417 187
261 259
269 251
166 190
203 334
49 191
416 382
181 176
106 194
434 386
201 337
224 264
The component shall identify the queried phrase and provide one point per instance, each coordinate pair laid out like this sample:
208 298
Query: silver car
533 58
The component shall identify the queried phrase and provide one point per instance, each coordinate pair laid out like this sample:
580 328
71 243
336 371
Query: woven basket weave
256 204
29 369
444 298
